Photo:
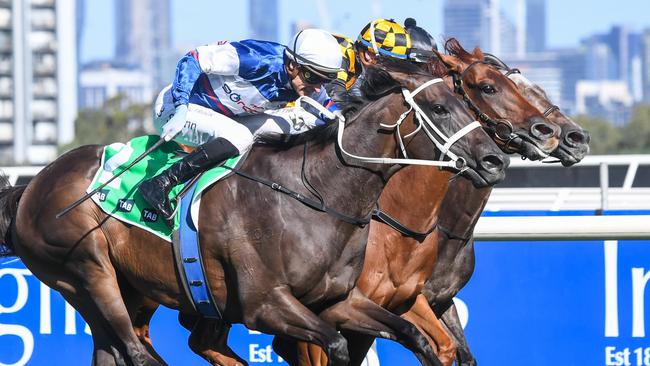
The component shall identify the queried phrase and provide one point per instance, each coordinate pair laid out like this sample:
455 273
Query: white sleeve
218 58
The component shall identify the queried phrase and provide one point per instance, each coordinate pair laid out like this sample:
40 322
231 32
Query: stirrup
177 200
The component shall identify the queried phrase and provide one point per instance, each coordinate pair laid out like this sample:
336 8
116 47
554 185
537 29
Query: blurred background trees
119 120
633 138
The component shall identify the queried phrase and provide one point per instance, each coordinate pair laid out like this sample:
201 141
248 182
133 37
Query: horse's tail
9 197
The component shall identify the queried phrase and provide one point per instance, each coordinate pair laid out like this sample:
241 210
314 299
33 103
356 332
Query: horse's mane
453 47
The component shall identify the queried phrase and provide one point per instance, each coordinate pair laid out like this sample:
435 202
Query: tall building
101 81
466 20
263 20
143 37
535 25
617 55
38 79
508 36
481 23
645 64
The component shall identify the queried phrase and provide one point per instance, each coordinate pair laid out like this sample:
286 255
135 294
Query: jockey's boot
156 190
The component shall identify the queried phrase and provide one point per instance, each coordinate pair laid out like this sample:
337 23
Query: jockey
217 83
351 69
422 42
380 38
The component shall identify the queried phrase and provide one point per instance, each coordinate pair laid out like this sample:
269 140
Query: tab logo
124 205
101 195
149 215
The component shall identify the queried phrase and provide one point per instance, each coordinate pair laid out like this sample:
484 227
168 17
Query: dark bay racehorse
396 267
456 264
273 282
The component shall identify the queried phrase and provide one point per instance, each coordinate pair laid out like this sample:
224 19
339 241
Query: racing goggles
312 76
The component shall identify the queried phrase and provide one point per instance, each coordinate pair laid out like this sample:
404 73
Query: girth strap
381 216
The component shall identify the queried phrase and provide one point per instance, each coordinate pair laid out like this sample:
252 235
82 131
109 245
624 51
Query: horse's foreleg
359 314
451 320
105 352
421 315
280 313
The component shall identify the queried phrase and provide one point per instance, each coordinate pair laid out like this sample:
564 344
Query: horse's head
515 124
438 126
574 140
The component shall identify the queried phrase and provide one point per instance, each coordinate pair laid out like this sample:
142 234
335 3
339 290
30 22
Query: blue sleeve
188 71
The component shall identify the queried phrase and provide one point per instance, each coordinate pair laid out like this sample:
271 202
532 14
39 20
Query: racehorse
272 282
574 140
397 266
455 266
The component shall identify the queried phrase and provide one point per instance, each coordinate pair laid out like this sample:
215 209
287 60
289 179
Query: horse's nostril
493 163
542 130
575 138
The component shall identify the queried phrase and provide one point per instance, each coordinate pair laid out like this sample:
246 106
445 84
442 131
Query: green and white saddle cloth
121 199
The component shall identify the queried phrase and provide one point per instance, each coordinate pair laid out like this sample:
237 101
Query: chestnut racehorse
396 267
454 272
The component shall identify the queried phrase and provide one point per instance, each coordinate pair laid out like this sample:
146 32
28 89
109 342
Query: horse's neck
462 207
349 179
345 185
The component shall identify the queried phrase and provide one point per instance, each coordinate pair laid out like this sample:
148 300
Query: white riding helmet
317 51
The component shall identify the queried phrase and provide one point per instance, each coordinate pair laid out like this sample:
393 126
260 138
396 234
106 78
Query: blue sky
197 22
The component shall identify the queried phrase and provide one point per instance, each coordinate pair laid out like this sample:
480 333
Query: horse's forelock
385 76
377 82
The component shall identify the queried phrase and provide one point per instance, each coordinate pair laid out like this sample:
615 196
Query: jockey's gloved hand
175 124
333 114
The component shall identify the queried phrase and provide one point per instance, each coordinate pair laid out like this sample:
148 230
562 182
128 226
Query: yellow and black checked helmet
385 37
350 64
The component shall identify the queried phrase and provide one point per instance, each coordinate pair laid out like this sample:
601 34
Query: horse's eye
488 89
438 109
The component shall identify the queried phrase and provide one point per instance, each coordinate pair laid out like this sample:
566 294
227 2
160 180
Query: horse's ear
478 53
451 62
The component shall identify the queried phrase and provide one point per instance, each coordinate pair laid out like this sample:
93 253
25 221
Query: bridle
439 139
511 71
501 128
508 72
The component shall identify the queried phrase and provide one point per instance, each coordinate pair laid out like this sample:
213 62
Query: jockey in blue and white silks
225 94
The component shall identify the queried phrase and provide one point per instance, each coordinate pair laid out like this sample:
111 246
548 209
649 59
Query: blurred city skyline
207 20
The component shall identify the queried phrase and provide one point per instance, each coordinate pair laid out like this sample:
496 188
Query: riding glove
175 124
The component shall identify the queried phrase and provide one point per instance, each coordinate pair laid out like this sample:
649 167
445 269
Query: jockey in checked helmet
382 38
422 43
390 39
217 85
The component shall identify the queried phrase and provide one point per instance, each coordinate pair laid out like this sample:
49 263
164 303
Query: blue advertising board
528 303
